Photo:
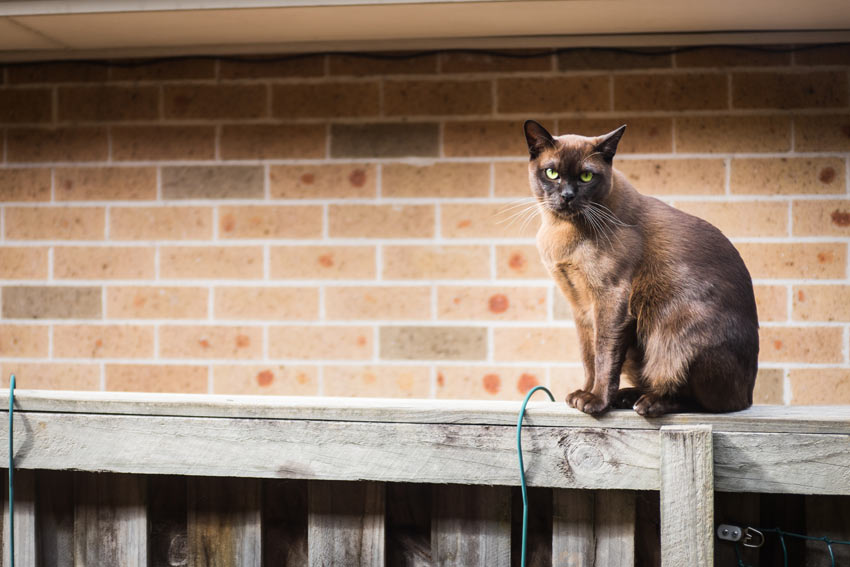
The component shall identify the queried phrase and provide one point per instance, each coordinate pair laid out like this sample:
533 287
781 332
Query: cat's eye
586 176
551 173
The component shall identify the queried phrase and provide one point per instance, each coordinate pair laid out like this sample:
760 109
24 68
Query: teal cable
11 473
522 467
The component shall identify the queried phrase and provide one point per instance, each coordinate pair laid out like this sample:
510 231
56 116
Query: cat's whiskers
608 213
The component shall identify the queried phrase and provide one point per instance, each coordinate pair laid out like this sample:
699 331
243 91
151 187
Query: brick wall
342 226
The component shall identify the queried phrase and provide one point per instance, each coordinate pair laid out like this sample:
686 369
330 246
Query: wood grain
471 526
224 522
167 521
285 523
55 513
593 528
25 520
346 524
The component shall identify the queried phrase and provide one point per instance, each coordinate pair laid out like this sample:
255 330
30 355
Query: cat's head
565 172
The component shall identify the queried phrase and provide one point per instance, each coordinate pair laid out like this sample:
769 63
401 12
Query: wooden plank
25 520
471 526
573 527
687 496
167 521
539 545
408 524
55 513
110 523
284 505
827 516
615 527
346 524
224 522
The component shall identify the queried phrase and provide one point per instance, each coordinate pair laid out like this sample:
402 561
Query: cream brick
487 221
491 303
19 184
160 223
436 262
324 181
442 180
487 382
321 343
702 134
771 302
273 141
511 179
322 262
536 344
680 91
156 302
675 176
103 341
822 133
105 183
157 378
325 100
565 380
816 89
643 135
214 101
554 94
164 143
210 341
212 182
519 262
787 176
76 143
213 262
802 260
23 340
23 263
821 302
742 218
828 386
412 98
267 303
270 222
385 140
51 302
801 344
274 380
378 302
377 381
381 221
55 223
101 262
51 376
99 103
433 343
486 138
821 218
770 387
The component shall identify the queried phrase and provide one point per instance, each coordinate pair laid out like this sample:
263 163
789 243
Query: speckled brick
384 140
23 263
436 262
439 179
395 63
76 143
483 138
164 70
30 184
729 134
822 133
321 343
107 103
491 303
377 381
49 223
212 182
787 176
164 143
270 221
323 181
771 302
272 66
567 379
381 221
210 342
470 62
270 380
211 262
741 56
519 262
815 386
487 382
643 135
103 262
105 183
770 386
377 303
326 100
51 302
412 98
613 59
52 376
57 72
815 89
267 303
160 223
536 344
103 341
433 343
821 217
796 260
801 344
821 302
486 221
675 176
742 218
24 341
554 94
681 91
510 179
182 378
322 262
156 302
19 106
214 101
273 141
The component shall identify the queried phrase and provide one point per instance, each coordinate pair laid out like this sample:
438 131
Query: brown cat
657 294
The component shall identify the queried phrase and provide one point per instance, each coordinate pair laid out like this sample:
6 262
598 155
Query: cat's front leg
584 329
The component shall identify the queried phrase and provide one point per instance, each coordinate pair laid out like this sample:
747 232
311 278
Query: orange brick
323 181
377 381
75 143
822 133
381 221
436 262
273 141
436 180
472 62
681 91
771 302
816 89
207 341
260 66
98 262
156 378
554 94
397 64
267 303
325 100
411 98
486 138
160 223
567 379
105 103
821 302
50 376
709 56
216 262
103 341
131 143
828 386
377 302
491 303
156 302
23 340
49 223
742 218
105 183
601 58
821 218
676 176
536 344
486 221
788 176
801 344
324 343
487 382
323 262
274 380
171 70
24 184
801 260
733 134
270 222
214 101
643 135
519 262
26 263
18 106
511 179
770 386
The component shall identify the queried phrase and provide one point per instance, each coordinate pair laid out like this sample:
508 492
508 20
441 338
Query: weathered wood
615 527
471 526
573 540
285 523
687 496
167 521
110 523
55 513
408 525
224 522
25 520
827 517
346 524
539 546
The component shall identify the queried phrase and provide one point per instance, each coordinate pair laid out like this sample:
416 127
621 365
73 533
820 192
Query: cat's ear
607 144
537 137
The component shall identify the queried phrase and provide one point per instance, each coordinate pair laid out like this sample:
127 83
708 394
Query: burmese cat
657 294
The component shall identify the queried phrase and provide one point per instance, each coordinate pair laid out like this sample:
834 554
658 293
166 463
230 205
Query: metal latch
749 537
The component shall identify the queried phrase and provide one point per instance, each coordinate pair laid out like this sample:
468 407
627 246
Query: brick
483 138
24 184
210 341
787 176
394 63
643 135
823 55
321 343
326 100
73 143
323 181
798 260
487 382
682 91
214 101
821 218
436 262
613 59
105 183
708 56
50 376
23 263
213 262
43 302
676 176
511 179
57 72
183 379
771 302
816 89
729 134
377 302
770 387
103 341
822 133
131 143
485 221
742 218
213 182
384 140
411 98
322 262
433 343
828 386
103 263
519 262
107 103
561 310
538 344
381 221
267 303
270 222
164 70
821 302
262 67
18 106
51 223
441 180
377 381
156 302
472 62
23 340
486 303
801 344
160 223
273 141
565 380
273 380
554 94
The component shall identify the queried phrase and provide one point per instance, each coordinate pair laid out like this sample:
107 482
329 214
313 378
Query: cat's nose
567 194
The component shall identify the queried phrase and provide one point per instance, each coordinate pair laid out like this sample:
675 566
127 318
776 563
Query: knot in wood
584 457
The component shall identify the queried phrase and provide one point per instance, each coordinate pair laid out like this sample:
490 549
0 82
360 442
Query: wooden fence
108 479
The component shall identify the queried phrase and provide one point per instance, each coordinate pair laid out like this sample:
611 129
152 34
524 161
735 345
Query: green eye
586 176
551 173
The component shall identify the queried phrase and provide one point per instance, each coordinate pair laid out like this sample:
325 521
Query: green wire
522 467
11 473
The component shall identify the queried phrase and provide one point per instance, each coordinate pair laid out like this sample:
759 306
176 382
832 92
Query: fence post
687 496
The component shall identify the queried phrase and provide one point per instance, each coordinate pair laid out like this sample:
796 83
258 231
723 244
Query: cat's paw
587 402
650 405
